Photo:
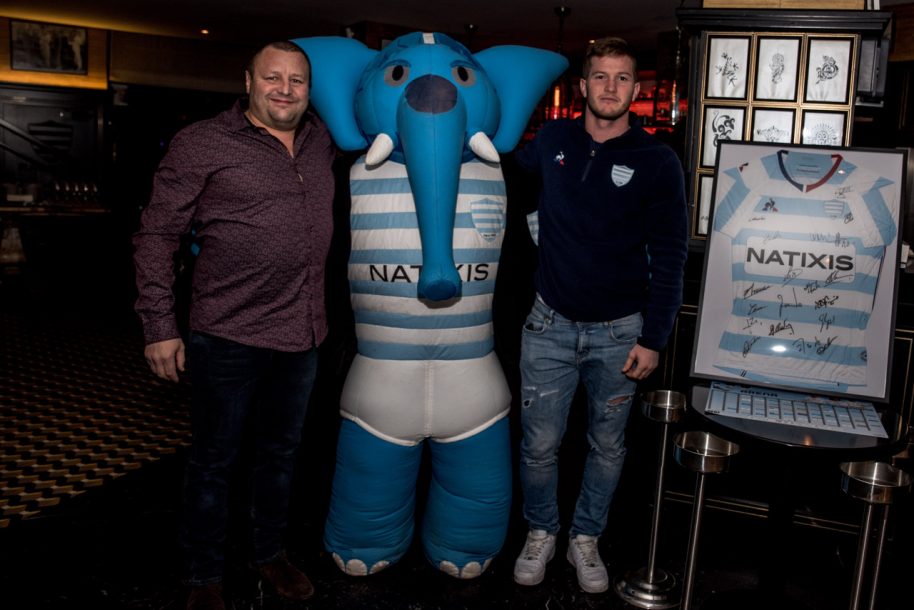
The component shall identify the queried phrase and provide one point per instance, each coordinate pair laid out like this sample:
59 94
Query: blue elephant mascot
427 223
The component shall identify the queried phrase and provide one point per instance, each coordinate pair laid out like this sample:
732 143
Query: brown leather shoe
207 597
288 581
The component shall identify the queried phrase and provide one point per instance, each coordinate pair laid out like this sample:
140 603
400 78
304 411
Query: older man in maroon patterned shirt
255 183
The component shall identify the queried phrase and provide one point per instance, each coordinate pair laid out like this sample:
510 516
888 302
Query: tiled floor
92 448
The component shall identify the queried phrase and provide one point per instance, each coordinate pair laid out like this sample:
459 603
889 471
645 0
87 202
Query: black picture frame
777 68
829 69
720 123
704 187
772 124
801 269
727 67
824 128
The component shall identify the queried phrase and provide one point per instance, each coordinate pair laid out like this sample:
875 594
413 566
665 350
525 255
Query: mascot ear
336 67
520 75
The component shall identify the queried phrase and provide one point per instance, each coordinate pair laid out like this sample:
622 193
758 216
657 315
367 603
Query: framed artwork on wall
720 123
48 47
727 67
772 125
705 187
48 54
823 128
829 67
777 68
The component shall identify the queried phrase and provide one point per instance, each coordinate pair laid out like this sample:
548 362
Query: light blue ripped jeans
557 353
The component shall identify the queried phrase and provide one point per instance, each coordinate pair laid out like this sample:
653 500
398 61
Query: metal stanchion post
876 483
651 587
702 453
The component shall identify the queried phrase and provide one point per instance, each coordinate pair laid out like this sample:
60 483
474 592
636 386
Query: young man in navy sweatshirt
613 234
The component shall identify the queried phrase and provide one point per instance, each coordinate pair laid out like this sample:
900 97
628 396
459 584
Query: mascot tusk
483 147
380 149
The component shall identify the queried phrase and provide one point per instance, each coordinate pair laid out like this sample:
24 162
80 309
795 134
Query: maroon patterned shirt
263 224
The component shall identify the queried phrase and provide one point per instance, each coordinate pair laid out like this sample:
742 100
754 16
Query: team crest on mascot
427 223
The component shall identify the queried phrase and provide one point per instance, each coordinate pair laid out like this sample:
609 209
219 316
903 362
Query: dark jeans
240 390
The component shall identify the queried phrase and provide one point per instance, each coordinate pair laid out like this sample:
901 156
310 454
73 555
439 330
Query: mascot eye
463 75
396 75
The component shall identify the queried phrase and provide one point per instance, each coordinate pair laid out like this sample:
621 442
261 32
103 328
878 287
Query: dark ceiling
530 22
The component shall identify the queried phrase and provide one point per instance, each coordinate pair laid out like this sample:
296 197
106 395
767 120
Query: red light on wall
644 108
560 102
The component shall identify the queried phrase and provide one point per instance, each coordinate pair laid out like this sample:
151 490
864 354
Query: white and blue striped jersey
386 256
808 234
424 368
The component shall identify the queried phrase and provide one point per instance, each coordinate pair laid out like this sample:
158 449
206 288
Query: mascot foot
470 570
357 567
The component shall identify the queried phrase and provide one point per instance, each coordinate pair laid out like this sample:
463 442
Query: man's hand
166 358
641 362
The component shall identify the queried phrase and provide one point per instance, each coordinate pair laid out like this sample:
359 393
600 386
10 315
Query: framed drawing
801 269
823 128
720 123
727 67
704 186
828 69
36 53
777 64
772 125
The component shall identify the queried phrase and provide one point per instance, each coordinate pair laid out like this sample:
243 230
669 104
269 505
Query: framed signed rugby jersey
801 268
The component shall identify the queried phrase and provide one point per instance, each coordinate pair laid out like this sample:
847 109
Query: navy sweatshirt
613 226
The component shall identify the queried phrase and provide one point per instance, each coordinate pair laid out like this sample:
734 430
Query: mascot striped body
427 223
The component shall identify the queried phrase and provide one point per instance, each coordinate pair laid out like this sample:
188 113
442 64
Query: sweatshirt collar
634 124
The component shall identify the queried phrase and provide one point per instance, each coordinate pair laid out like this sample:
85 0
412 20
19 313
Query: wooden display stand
903 48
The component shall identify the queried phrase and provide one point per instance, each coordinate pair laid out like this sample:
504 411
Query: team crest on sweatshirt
621 174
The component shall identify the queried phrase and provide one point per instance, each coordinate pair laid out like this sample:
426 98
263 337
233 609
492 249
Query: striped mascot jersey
386 256
424 368
808 234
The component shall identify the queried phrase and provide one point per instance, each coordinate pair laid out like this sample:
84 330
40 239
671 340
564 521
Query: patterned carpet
78 407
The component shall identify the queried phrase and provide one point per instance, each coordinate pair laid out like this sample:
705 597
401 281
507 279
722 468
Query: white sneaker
530 567
584 555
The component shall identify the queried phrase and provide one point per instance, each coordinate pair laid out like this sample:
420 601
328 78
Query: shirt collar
239 122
